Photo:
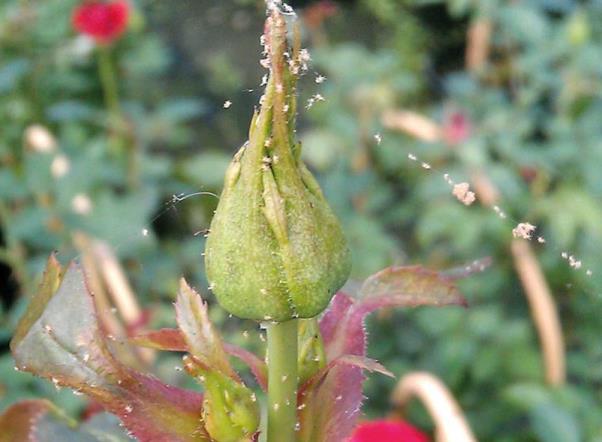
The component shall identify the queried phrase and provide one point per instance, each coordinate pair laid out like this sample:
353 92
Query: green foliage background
535 113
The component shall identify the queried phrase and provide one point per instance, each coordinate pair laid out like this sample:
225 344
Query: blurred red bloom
104 21
316 13
387 431
457 127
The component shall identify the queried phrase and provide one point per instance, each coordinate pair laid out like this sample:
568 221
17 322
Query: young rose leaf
202 340
325 403
409 287
48 286
39 421
171 339
230 412
19 420
335 402
165 339
64 342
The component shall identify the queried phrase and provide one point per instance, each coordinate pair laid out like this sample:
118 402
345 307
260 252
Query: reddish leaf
411 286
171 339
64 343
333 404
40 421
256 365
327 406
18 422
166 339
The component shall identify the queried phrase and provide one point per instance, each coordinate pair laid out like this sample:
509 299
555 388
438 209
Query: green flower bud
275 250
311 356
230 409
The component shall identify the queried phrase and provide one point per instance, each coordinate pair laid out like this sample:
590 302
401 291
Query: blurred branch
118 285
543 311
478 44
450 423
108 282
413 124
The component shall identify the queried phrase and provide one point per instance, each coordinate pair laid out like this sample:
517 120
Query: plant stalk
108 81
282 381
118 139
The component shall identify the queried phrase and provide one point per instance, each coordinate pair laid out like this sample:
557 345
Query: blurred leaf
554 424
71 111
12 72
207 169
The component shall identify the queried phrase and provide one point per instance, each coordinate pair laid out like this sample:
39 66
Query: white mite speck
412 157
276 407
588 272
541 240
320 79
523 230
378 138
426 166
227 104
144 232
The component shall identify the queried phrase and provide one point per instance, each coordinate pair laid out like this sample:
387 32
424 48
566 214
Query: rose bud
275 250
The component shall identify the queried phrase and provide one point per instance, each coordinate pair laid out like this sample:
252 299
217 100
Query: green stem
108 81
282 381
118 140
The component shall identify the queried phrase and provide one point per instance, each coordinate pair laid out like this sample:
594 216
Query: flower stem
282 381
108 81
119 141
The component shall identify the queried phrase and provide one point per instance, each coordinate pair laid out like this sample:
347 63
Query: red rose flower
104 21
387 431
